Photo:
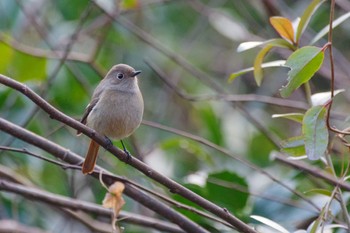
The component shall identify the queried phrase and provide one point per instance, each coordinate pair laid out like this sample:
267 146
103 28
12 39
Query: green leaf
259 150
277 63
303 64
305 18
320 191
6 57
315 132
26 67
325 30
212 124
223 189
258 73
71 10
297 117
21 66
283 26
294 146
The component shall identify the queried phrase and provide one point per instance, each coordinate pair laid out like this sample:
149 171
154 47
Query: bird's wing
88 109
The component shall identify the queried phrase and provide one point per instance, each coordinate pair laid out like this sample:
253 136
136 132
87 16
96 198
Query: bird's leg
128 156
109 142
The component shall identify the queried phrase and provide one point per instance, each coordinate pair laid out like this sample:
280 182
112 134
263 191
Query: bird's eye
120 76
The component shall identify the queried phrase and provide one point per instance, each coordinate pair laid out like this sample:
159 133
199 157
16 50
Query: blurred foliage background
194 44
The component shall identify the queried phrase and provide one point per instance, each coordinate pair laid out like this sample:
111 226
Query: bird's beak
136 73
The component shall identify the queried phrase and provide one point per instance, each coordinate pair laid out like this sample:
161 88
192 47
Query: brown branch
74 204
70 157
172 185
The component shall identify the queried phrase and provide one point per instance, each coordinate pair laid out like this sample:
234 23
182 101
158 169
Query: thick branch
172 185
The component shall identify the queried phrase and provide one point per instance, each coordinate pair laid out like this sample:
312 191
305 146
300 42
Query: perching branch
172 185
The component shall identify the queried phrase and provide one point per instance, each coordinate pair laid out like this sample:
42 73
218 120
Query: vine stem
328 157
329 45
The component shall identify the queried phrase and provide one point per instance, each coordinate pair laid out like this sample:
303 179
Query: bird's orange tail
91 157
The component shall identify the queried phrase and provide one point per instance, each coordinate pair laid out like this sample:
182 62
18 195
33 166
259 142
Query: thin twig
25 151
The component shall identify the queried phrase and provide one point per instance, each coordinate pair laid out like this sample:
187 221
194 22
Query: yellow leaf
283 26
258 72
113 198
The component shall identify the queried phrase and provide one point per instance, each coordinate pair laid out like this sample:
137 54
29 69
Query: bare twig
25 151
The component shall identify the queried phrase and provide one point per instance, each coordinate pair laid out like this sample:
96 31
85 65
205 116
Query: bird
115 110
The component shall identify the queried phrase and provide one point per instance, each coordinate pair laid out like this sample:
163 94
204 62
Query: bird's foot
109 142
128 156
